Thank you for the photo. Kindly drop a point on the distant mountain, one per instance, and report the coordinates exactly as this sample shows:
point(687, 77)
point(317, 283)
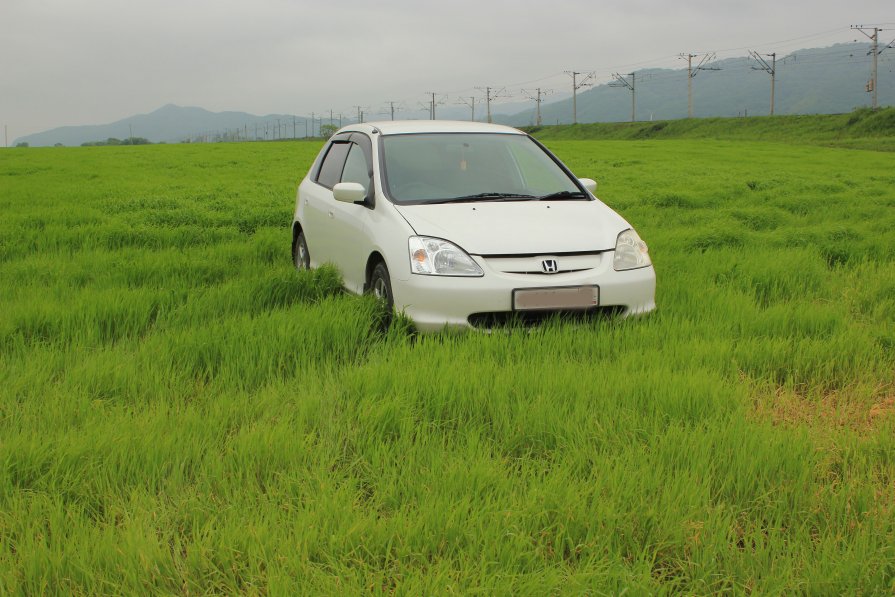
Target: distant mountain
point(815, 81)
point(172, 124)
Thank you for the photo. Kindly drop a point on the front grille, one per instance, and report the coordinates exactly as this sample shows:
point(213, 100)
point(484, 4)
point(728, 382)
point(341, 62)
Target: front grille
point(541, 273)
point(534, 264)
point(510, 319)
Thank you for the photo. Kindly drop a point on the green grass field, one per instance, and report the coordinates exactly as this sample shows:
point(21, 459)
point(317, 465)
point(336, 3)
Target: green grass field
point(183, 413)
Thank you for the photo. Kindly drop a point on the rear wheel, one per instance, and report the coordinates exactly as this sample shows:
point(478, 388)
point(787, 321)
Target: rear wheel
point(300, 256)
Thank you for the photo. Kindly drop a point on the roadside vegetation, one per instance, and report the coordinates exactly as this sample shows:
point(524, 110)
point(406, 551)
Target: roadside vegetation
point(182, 412)
point(114, 141)
point(860, 129)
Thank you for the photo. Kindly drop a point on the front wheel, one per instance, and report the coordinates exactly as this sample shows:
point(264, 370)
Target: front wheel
point(381, 285)
point(381, 288)
point(300, 256)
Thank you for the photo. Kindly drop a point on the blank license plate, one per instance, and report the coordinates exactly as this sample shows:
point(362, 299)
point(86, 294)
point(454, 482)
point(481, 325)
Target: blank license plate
point(570, 297)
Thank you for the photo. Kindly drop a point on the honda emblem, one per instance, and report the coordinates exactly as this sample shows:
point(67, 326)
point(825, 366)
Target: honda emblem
point(549, 266)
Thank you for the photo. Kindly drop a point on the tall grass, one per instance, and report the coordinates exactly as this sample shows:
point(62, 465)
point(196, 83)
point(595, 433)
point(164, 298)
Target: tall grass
point(182, 412)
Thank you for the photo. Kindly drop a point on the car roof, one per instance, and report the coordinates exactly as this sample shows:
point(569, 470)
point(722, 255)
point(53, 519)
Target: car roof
point(403, 127)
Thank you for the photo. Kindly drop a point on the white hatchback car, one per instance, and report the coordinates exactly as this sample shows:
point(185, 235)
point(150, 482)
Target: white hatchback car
point(466, 224)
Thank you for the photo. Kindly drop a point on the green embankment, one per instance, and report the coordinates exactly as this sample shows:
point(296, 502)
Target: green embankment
point(183, 413)
point(861, 129)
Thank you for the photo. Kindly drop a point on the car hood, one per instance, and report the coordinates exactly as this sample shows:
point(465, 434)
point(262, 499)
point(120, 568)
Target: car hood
point(519, 227)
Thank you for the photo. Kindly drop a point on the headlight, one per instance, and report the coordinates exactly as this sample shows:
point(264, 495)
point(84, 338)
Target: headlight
point(630, 252)
point(436, 257)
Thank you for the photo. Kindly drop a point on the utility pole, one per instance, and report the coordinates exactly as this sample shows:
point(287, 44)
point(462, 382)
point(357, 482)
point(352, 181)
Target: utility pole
point(491, 94)
point(690, 58)
point(771, 69)
point(874, 51)
point(391, 105)
point(536, 96)
point(692, 72)
point(621, 81)
point(432, 103)
point(5, 135)
point(488, 102)
point(873, 84)
point(471, 104)
point(576, 85)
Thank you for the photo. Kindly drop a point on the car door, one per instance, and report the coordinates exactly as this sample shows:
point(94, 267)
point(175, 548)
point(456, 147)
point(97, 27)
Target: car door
point(318, 216)
point(350, 235)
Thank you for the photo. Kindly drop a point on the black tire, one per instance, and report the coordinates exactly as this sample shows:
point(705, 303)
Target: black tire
point(300, 256)
point(381, 286)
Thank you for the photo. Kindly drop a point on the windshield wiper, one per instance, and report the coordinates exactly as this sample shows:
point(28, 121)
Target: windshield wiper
point(485, 197)
point(563, 195)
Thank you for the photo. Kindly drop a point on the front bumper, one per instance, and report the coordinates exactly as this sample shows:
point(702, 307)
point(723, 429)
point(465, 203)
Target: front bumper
point(435, 302)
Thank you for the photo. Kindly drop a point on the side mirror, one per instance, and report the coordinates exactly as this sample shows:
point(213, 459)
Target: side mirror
point(589, 184)
point(349, 192)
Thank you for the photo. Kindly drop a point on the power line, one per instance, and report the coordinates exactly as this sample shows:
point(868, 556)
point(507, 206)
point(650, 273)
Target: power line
point(780, 43)
point(841, 54)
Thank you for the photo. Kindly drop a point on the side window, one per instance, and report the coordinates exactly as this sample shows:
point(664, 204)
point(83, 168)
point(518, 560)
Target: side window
point(331, 168)
point(356, 168)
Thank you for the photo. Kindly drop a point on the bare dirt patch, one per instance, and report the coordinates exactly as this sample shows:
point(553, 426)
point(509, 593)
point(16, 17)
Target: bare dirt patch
point(860, 409)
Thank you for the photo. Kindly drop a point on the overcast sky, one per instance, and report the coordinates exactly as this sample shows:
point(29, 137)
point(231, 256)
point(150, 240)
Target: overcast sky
point(71, 62)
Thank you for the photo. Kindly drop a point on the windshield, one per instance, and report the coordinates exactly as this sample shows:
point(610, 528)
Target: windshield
point(461, 167)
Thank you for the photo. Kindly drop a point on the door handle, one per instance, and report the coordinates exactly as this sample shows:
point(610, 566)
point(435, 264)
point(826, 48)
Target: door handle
point(330, 214)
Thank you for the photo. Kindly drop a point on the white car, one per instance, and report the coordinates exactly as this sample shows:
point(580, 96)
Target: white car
point(466, 224)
